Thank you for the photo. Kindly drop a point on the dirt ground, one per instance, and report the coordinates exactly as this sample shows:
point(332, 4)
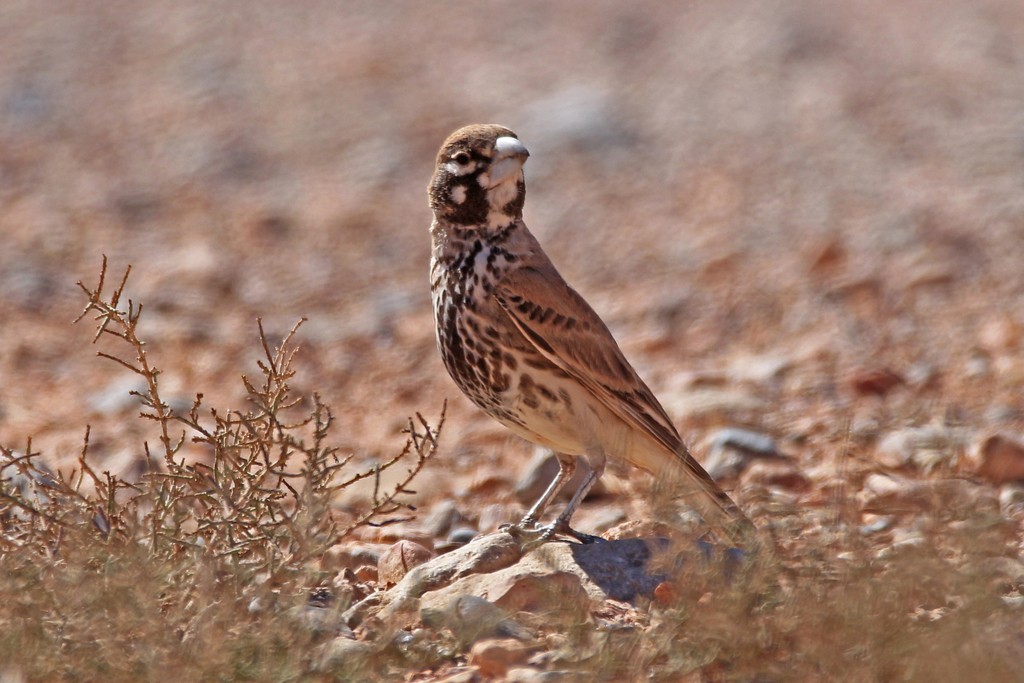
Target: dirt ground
point(778, 207)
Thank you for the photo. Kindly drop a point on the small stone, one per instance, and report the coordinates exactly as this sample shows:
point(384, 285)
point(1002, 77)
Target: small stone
point(344, 652)
point(598, 519)
point(889, 494)
point(535, 593)
point(471, 618)
point(396, 562)
point(1011, 499)
point(923, 447)
point(731, 449)
point(999, 458)
point(541, 472)
point(877, 524)
point(877, 381)
point(494, 657)
point(366, 574)
point(999, 335)
point(702, 401)
point(757, 369)
point(665, 594)
point(462, 535)
point(771, 473)
point(443, 517)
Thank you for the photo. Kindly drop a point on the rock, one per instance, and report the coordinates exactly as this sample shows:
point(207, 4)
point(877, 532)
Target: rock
point(999, 458)
point(875, 381)
point(443, 517)
point(889, 494)
point(876, 524)
point(704, 401)
point(344, 653)
point(599, 518)
point(471, 618)
point(731, 449)
point(318, 620)
point(483, 555)
point(367, 574)
point(541, 472)
point(556, 584)
point(536, 592)
point(776, 473)
point(922, 447)
point(494, 657)
point(462, 535)
point(999, 335)
point(399, 559)
point(757, 369)
point(1011, 499)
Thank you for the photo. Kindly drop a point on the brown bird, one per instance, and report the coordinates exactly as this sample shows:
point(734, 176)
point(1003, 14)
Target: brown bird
point(525, 347)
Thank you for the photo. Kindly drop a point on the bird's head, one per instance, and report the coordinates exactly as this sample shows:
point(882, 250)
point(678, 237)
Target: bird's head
point(478, 179)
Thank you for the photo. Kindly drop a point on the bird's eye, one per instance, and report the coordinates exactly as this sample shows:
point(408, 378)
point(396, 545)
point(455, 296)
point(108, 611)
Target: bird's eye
point(461, 158)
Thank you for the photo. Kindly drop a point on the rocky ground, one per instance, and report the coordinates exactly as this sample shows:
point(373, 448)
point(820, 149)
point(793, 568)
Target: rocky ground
point(804, 222)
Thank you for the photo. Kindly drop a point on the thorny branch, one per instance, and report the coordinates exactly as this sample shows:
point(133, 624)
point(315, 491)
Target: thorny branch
point(256, 492)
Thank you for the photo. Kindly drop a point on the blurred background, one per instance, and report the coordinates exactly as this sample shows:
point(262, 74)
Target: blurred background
point(766, 199)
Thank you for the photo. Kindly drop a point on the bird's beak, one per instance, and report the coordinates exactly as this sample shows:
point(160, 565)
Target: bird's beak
point(509, 157)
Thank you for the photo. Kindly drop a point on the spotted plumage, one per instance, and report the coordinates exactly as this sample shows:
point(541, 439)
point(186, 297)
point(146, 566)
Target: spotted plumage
point(528, 350)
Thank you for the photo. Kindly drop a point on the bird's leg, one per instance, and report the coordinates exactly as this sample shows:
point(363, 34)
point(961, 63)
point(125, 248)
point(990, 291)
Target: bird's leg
point(561, 525)
point(537, 536)
point(566, 467)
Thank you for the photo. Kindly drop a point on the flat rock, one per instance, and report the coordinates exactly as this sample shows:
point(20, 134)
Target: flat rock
point(559, 582)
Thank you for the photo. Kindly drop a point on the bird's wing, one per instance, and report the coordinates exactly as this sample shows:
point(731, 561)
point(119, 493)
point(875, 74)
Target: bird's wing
point(566, 330)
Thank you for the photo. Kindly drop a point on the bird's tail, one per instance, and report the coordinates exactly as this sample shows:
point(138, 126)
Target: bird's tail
point(688, 480)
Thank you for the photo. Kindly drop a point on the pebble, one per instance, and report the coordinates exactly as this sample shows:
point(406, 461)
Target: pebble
point(922, 447)
point(443, 518)
point(462, 535)
point(731, 449)
point(494, 657)
point(541, 472)
point(876, 381)
point(471, 618)
point(1011, 499)
point(344, 652)
point(397, 560)
point(999, 458)
point(781, 473)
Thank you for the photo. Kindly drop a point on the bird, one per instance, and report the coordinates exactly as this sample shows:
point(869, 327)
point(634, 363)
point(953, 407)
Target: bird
point(526, 348)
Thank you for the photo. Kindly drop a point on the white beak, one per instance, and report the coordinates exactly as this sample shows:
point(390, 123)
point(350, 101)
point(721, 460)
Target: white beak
point(509, 157)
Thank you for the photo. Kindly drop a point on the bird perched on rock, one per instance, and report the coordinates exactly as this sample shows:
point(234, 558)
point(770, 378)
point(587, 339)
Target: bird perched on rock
point(529, 351)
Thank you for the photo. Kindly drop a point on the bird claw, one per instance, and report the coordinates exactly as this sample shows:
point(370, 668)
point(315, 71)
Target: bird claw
point(531, 535)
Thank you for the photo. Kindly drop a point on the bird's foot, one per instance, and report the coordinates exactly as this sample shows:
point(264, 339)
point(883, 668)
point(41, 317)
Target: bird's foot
point(531, 535)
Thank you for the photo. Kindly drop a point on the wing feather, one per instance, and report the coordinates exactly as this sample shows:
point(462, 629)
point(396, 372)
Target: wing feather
point(565, 329)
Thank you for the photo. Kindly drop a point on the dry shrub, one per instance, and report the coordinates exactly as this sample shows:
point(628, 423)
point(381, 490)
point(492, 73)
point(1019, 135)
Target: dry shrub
point(200, 570)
